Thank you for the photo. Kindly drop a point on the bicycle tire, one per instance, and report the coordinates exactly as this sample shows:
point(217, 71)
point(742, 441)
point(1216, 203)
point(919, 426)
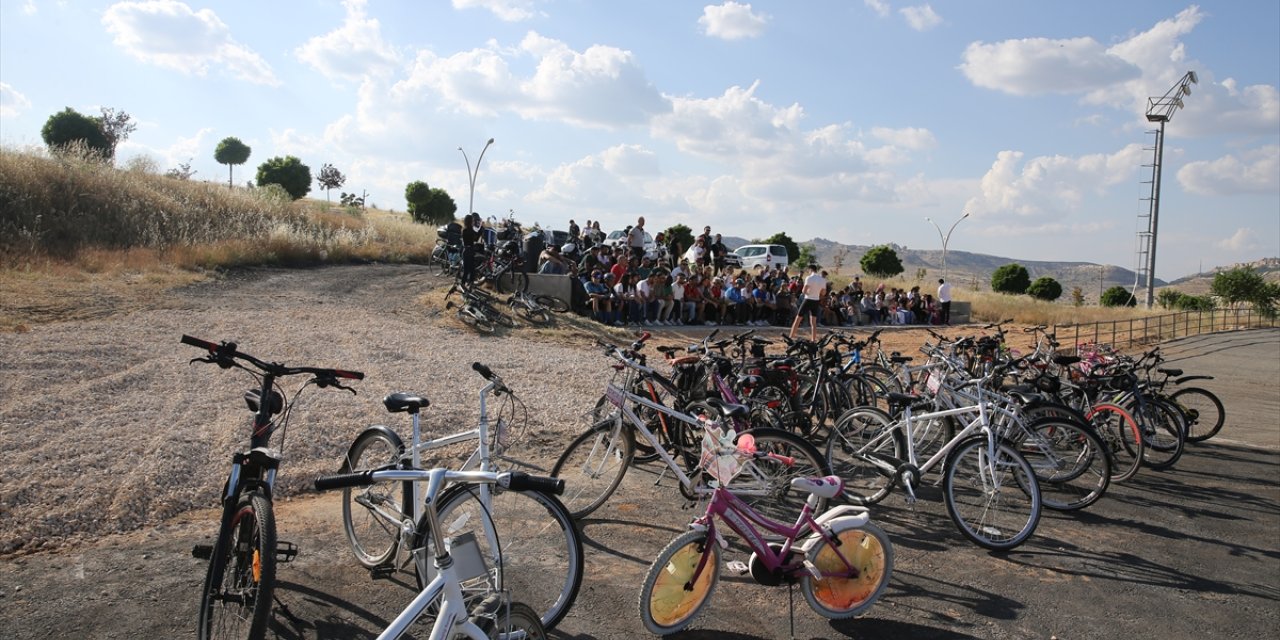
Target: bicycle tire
point(373, 539)
point(869, 474)
point(765, 484)
point(1121, 436)
point(519, 281)
point(1203, 410)
point(236, 599)
point(669, 600)
point(1164, 433)
point(1003, 516)
point(1070, 462)
point(475, 319)
point(536, 543)
point(869, 550)
point(516, 620)
point(499, 318)
point(867, 391)
point(592, 466)
point(533, 314)
point(553, 303)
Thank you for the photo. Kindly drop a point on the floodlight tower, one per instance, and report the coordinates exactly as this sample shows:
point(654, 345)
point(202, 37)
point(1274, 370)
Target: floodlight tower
point(1158, 110)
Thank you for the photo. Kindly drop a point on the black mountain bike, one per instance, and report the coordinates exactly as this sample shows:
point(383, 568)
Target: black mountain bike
point(235, 601)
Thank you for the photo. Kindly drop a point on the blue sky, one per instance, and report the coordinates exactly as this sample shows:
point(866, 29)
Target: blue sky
point(849, 120)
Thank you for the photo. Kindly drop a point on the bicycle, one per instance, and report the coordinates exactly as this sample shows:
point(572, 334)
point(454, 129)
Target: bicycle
point(505, 262)
point(446, 259)
point(990, 489)
point(527, 306)
point(843, 562)
point(458, 562)
point(235, 600)
point(595, 462)
point(541, 543)
point(477, 310)
point(1202, 410)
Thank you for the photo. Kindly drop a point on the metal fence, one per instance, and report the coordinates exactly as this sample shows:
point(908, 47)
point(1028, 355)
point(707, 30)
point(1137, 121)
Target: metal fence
point(1122, 334)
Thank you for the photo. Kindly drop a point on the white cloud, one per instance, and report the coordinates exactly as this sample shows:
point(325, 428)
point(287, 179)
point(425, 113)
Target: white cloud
point(12, 102)
point(921, 18)
point(1033, 66)
point(1243, 239)
point(353, 51)
point(506, 10)
point(1253, 172)
point(732, 21)
point(169, 34)
point(194, 149)
point(599, 87)
point(1050, 186)
point(879, 6)
point(908, 138)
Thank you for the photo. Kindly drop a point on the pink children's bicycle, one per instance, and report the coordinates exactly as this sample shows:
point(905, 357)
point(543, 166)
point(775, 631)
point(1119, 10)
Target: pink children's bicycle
point(842, 565)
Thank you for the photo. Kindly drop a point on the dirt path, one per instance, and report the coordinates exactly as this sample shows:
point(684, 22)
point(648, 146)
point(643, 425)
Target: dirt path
point(112, 449)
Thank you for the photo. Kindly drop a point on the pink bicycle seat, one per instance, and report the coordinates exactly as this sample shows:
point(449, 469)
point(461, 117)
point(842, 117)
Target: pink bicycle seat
point(828, 487)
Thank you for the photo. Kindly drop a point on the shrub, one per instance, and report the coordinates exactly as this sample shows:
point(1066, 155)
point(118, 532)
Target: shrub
point(1045, 288)
point(288, 172)
point(881, 261)
point(428, 205)
point(1118, 296)
point(1012, 278)
point(69, 126)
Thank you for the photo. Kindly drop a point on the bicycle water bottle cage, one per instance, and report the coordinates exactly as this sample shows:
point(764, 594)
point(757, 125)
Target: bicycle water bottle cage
point(253, 397)
point(405, 403)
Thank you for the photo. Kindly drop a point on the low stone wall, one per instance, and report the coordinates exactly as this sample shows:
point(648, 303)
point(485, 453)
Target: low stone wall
point(960, 312)
point(543, 284)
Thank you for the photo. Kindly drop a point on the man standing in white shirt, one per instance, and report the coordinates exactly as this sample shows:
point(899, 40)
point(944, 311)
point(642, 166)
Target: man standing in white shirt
point(944, 300)
point(815, 286)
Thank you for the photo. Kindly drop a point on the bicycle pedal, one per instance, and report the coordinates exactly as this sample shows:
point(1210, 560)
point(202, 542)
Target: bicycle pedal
point(202, 551)
point(286, 552)
point(813, 570)
point(737, 566)
point(382, 572)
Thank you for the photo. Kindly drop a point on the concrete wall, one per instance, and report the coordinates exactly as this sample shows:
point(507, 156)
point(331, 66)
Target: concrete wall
point(960, 312)
point(558, 286)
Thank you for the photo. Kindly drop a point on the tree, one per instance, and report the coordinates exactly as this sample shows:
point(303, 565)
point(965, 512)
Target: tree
point(1077, 297)
point(1045, 288)
point(231, 152)
point(837, 260)
point(793, 251)
point(1118, 296)
point(289, 173)
point(881, 261)
point(808, 255)
point(1243, 284)
point(329, 178)
point(352, 200)
point(1174, 299)
point(116, 127)
point(682, 235)
point(1011, 278)
point(69, 126)
point(183, 172)
point(428, 205)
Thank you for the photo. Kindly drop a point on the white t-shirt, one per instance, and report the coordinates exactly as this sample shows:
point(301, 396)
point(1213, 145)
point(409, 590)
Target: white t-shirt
point(814, 285)
point(645, 289)
point(636, 238)
point(944, 292)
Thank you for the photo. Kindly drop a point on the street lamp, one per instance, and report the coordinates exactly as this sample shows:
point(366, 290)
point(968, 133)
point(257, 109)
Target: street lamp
point(945, 239)
point(471, 175)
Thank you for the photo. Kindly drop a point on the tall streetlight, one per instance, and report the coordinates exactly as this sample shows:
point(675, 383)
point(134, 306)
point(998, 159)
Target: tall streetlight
point(945, 239)
point(471, 175)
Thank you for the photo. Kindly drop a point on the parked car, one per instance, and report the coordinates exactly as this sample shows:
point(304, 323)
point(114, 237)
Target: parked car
point(769, 255)
point(619, 238)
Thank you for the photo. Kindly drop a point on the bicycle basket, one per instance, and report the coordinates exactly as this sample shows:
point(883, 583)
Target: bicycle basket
point(721, 458)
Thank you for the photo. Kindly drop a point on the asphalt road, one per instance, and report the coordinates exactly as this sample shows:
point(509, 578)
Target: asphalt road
point(1188, 553)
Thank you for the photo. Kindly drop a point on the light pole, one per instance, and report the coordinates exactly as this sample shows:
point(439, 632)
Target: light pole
point(945, 239)
point(471, 175)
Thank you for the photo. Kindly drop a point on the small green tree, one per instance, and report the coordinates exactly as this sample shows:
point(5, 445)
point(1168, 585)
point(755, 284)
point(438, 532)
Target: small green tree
point(1118, 296)
point(69, 126)
point(289, 173)
point(808, 255)
point(428, 205)
point(1237, 285)
point(1012, 278)
point(231, 152)
point(682, 234)
point(116, 127)
point(1168, 298)
point(1077, 297)
point(881, 261)
point(1045, 288)
point(330, 178)
point(781, 237)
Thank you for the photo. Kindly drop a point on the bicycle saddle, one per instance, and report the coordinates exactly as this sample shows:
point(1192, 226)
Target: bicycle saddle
point(405, 402)
point(729, 410)
point(1173, 373)
point(827, 487)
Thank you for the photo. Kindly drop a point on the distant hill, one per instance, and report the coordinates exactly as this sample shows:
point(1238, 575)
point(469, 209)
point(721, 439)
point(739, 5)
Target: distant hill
point(1200, 284)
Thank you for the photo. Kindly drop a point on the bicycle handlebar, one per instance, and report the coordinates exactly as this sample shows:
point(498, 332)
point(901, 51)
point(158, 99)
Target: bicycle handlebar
point(225, 354)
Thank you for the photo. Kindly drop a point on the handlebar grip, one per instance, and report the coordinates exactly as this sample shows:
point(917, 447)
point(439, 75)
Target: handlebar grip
point(350, 375)
point(197, 342)
point(342, 481)
point(482, 370)
point(521, 481)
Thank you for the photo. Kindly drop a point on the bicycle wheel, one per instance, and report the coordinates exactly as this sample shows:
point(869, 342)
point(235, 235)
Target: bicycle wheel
point(868, 550)
point(516, 620)
point(532, 540)
point(511, 281)
point(1069, 461)
point(235, 601)
point(498, 317)
point(371, 515)
point(994, 502)
point(869, 470)
point(538, 315)
point(670, 598)
point(765, 483)
point(866, 391)
point(1203, 411)
point(440, 261)
point(475, 319)
point(1163, 432)
point(553, 303)
point(593, 465)
point(1122, 438)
